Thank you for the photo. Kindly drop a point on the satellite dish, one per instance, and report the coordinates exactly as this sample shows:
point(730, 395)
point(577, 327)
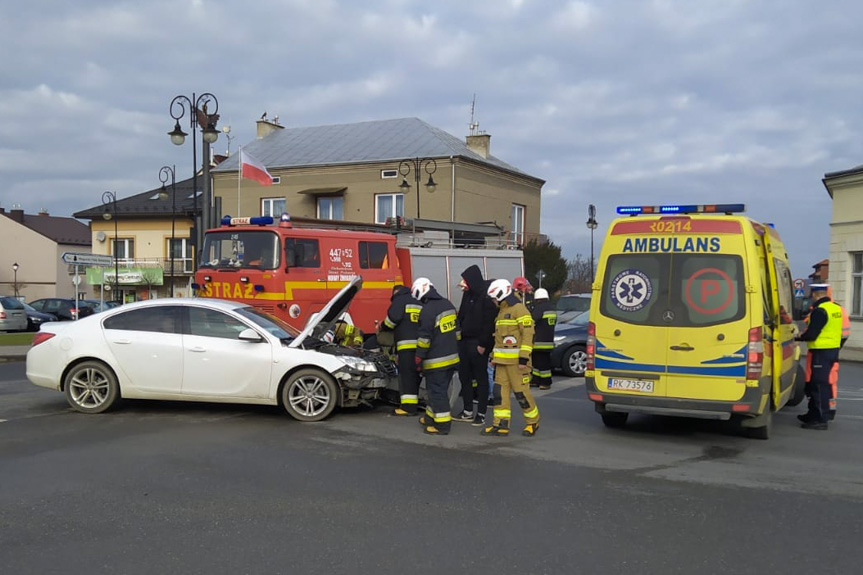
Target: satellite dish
point(100, 236)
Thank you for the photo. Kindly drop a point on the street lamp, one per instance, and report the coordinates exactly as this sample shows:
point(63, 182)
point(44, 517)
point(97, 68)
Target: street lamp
point(110, 199)
point(15, 284)
point(164, 172)
point(591, 223)
point(427, 164)
point(199, 116)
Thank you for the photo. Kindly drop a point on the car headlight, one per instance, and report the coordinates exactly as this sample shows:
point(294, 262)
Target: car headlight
point(357, 363)
point(559, 338)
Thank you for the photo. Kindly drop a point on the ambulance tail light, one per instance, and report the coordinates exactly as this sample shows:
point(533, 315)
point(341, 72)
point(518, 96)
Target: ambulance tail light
point(591, 345)
point(754, 354)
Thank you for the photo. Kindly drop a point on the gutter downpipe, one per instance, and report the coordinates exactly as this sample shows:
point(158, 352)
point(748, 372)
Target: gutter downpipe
point(452, 204)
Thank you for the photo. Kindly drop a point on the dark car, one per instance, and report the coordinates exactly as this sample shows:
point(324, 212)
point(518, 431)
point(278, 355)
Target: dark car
point(36, 318)
point(63, 308)
point(569, 306)
point(570, 345)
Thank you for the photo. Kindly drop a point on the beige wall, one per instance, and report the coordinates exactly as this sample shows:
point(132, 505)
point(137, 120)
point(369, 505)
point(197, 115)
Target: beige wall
point(482, 192)
point(150, 236)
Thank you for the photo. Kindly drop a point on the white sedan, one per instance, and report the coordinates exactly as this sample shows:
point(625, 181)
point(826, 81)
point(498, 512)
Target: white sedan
point(207, 350)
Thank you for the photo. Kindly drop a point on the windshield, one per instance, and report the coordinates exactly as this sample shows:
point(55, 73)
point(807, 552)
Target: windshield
point(573, 303)
point(269, 323)
point(11, 303)
point(258, 249)
point(580, 319)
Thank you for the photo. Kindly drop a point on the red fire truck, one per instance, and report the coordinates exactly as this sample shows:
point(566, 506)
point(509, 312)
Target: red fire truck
point(293, 272)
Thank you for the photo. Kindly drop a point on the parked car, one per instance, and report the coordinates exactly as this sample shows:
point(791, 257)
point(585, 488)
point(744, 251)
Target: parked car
point(208, 350)
point(98, 306)
point(36, 318)
point(569, 306)
point(63, 308)
point(12, 314)
point(570, 345)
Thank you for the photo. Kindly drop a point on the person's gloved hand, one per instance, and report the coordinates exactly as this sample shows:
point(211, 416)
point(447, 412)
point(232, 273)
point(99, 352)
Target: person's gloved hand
point(419, 363)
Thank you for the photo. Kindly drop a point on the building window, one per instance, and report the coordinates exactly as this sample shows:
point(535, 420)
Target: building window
point(856, 284)
point(516, 224)
point(389, 206)
point(124, 249)
point(182, 253)
point(274, 207)
point(330, 208)
point(389, 174)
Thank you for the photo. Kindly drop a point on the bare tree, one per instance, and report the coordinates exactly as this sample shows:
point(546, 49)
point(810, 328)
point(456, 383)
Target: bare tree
point(579, 275)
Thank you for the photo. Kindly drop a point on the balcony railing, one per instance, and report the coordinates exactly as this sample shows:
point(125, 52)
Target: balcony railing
point(182, 266)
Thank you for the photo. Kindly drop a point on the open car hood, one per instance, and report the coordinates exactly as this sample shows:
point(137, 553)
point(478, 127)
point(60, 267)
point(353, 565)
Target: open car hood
point(322, 321)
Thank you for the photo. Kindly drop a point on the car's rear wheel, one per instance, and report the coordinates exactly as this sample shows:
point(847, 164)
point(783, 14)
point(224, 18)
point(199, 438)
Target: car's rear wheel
point(574, 361)
point(310, 395)
point(614, 418)
point(91, 387)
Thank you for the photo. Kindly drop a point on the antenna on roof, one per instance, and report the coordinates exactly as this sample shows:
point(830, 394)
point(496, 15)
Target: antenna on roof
point(473, 123)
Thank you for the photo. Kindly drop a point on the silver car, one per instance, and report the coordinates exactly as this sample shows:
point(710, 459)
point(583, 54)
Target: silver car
point(13, 316)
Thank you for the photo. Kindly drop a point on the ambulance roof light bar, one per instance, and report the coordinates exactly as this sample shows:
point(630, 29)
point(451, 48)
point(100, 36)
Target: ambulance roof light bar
point(682, 209)
point(228, 221)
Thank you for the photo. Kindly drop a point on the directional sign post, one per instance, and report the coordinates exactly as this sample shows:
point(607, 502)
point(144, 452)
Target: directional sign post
point(87, 259)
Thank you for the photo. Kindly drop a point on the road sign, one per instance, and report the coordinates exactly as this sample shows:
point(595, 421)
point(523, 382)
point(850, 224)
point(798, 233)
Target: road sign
point(798, 293)
point(799, 283)
point(87, 259)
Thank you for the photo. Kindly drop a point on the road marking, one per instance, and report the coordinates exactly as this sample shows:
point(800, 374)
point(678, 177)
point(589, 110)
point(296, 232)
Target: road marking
point(3, 420)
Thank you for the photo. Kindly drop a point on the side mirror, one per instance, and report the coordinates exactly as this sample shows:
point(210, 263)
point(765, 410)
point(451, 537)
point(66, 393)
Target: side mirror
point(250, 336)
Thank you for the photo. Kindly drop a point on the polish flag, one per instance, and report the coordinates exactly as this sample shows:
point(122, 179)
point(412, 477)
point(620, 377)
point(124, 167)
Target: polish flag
point(254, 170)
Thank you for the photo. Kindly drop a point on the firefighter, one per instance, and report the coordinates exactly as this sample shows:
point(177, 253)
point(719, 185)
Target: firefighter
point(476, 315)
point(436, 355)
point(544, 318)
point(347, 335)
point(824, 338)
point(523, 291)
point(513, 344)
point(402, 319)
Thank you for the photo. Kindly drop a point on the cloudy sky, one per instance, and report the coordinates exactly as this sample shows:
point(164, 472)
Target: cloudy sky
point(611, 102)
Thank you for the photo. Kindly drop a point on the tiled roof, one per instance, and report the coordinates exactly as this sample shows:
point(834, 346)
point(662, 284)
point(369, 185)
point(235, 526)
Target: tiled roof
point(63, 230)
point(148, 205)
point(363, 142)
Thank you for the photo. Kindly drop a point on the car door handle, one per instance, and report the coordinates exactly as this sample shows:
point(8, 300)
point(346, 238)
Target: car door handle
point(682, 348)
point(198, 349)
point(122, 341)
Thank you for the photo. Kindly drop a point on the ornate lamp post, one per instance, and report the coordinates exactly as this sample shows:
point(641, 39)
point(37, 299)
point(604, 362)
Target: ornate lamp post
point(15, 284)
point(110, 199)
point(201, 116)
point(417, 164)
point(591, 223)
point(164, 172)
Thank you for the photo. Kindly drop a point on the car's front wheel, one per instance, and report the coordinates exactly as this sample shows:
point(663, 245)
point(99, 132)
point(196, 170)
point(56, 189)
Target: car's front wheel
point(575, 361)
point(310, 395)
point(91, 387)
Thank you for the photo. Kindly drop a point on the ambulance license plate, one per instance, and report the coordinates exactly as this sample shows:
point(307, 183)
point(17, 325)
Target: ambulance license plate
point(631, 385)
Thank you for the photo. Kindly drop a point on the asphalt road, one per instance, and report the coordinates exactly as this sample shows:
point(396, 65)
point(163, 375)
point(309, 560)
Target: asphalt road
point(158, 487)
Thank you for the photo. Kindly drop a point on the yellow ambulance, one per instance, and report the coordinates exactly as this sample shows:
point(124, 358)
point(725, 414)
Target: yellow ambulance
point(691, 316)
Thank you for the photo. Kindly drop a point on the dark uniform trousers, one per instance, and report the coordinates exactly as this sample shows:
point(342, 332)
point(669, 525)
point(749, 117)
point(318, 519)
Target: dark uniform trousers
point(438, 408)
point(509, 377)
point(541, 360)
point(818, 387)
point(473, 375)
point(409, 380)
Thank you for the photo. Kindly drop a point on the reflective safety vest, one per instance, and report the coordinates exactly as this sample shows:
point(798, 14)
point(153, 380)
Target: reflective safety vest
point(830, 336)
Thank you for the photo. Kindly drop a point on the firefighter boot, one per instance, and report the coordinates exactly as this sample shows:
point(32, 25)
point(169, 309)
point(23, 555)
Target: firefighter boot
point(404, 411)
point(501, 430)
point(530, 429)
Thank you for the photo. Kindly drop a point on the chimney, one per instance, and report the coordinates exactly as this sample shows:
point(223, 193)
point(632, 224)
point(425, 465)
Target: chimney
point(17, 215)
point(43, 212)
point(480, 144)
point(267, 127)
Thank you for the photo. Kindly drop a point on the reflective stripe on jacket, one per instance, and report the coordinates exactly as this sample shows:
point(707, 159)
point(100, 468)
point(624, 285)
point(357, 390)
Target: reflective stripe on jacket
point(403, 317)
point(437, 345)
point(544, 318)
point(513, 333)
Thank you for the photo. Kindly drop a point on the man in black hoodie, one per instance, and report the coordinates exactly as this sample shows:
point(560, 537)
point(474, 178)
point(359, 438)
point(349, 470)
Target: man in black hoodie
point(403, 319)
point(476, 316)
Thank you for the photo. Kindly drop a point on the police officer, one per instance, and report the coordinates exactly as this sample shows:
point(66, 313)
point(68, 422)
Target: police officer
point(436, 354)
point(544, 318)
point(523, 291)
point(824, 338)
point(513, 344)
point(403, 317)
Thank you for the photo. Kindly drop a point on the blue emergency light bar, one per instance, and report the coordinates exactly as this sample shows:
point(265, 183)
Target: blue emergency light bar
point(682, 209)
point(228, 221)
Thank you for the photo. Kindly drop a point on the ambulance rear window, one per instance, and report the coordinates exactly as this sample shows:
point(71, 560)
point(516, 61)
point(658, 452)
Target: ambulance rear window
point(681, 290)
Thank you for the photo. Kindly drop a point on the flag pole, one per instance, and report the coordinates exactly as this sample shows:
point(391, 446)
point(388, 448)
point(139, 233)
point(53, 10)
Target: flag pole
point(239, 179)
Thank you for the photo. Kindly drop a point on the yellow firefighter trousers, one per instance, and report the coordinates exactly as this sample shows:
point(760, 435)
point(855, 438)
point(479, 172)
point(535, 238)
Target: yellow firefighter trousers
point(508, 378)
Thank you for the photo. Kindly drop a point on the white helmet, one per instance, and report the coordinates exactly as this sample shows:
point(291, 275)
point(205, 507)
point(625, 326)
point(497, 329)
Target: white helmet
point(421, 287)
point(499, 290)
point(541, 293)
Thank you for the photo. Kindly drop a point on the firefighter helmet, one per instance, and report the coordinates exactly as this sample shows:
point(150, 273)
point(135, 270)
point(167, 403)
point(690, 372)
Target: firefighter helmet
point(499, 290)
point(421, 287)
point(521, 284)
point(541, 293)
